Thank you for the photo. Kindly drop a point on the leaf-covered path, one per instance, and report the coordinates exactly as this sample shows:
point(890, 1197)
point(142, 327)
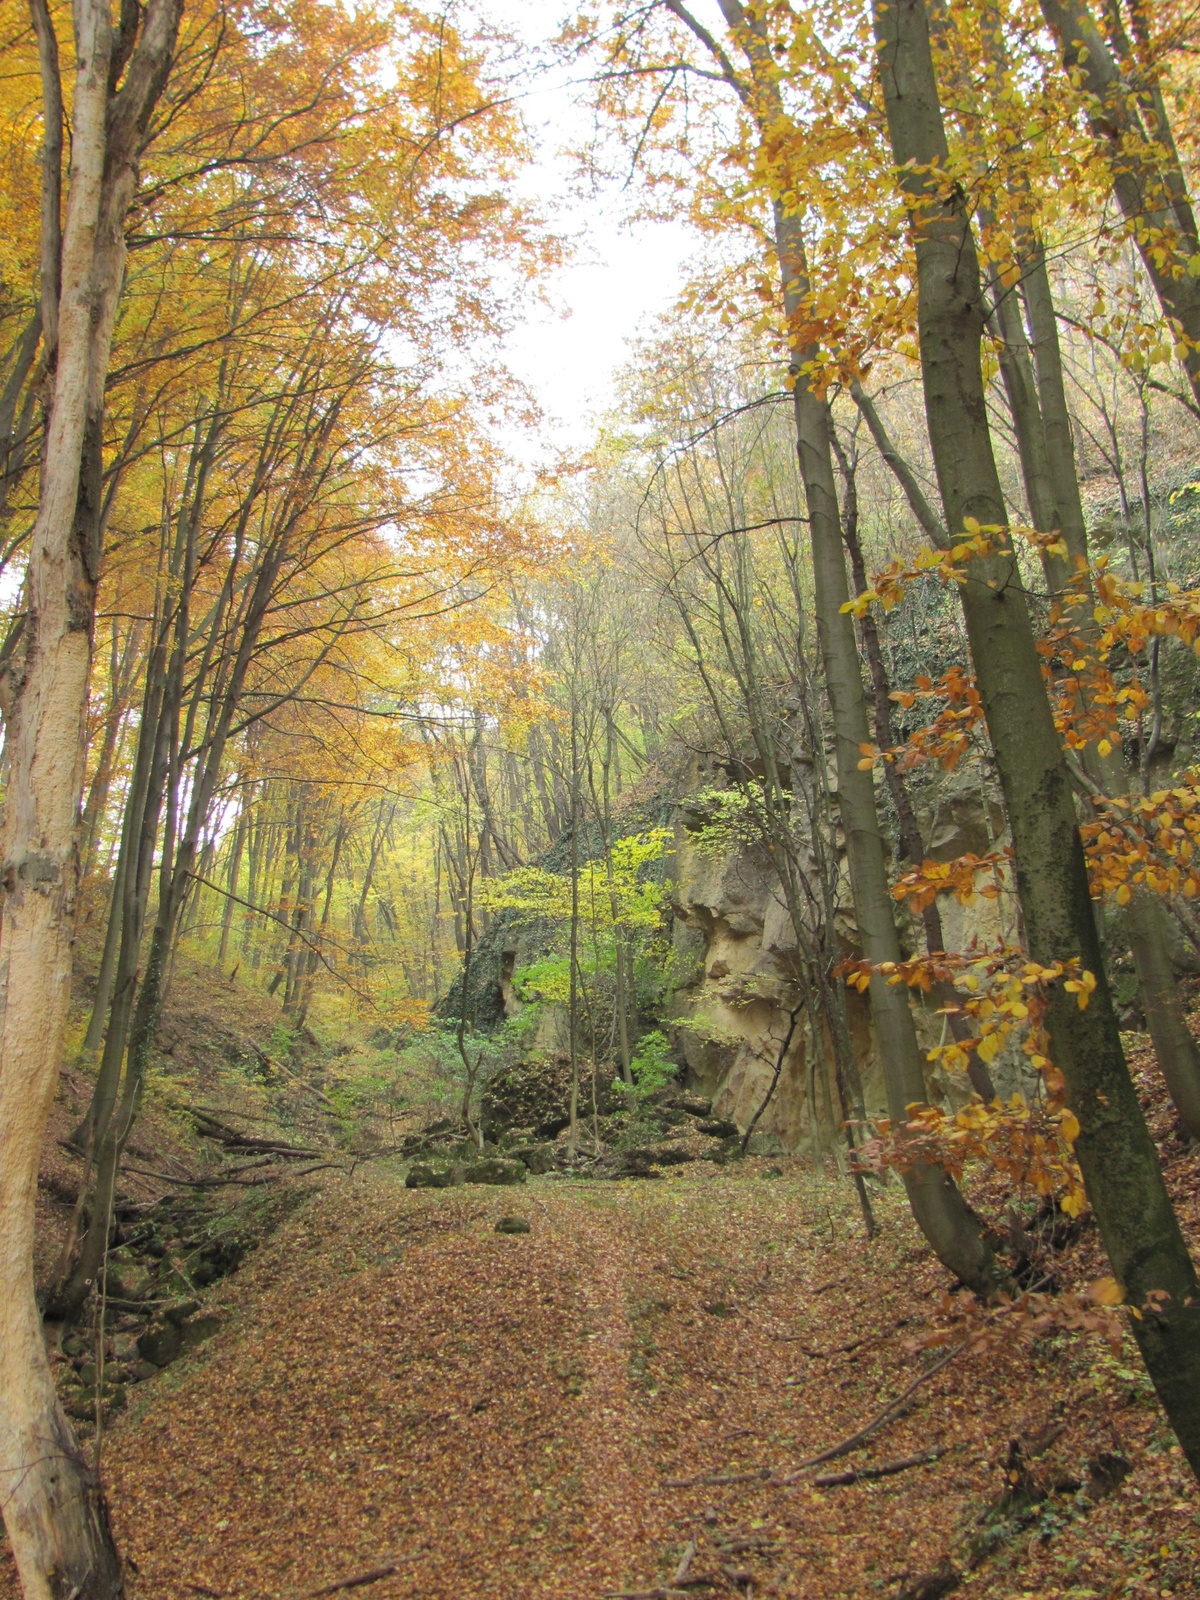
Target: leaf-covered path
point(500, 1416)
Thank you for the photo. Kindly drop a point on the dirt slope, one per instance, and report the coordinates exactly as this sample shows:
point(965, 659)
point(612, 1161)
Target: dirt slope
point(499, 1415)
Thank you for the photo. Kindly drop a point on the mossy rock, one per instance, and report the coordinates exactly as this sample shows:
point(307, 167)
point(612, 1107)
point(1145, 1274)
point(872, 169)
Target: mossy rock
point(535, 1094)
point(197, 1329)
point(495, 1171)
point(178, 1312)
point(161, 1344)
point(513, 1225)
point(82, 1403)
point(718, 1128)
point(538, 1158)
point(423, 1176)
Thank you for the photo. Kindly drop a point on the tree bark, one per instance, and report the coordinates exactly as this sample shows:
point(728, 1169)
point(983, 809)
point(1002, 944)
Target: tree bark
point(1114, 1149)
point(910, 833)
point(937, 1204)
point(1147, 176)
point(53, 1510)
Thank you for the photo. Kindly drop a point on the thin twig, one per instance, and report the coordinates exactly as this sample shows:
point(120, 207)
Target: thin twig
point(885, 1469)
point(718, 1478)
point(685, 1561)
point(890, 1413)
point(361, 1579)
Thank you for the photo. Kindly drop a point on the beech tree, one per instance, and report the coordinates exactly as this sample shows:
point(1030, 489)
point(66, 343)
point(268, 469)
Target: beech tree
point(1116, 1155)
point(53, 1509)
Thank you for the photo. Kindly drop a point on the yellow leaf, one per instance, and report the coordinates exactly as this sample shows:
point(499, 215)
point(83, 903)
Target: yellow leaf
point(988, 1047)
point(1124, 895)
point(1104, 747)
point(1070, 1126)
point(1106, 1292)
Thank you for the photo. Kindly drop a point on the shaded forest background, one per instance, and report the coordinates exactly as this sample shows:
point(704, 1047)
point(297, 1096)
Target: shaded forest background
point(809, 770)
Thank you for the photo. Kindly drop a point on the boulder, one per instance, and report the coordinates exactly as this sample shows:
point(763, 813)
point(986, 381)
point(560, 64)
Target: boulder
point(178, 1312)
point(423, 1176)
point(644, 1161)
point(513, 1225)
point(197, 1329)
point(495, 1170)
point(718, 1128)
point(538, 1158)
point(161, 1344)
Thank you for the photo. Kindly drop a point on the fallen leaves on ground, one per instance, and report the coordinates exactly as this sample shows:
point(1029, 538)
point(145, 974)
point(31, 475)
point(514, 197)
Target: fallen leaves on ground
point(492, 1416)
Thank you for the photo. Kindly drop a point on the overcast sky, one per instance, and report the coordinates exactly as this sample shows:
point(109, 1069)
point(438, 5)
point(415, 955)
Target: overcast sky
point(622, 273)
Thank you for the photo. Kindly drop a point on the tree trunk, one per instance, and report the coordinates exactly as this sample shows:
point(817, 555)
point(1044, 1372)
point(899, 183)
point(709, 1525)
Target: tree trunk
point(910, 833)
point(53, 1510)
point(1147, 176)
point(938, 1207)
point(1114, 1149)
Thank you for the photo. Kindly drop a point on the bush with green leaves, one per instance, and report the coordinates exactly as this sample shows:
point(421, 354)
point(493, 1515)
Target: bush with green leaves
point(651, 1067)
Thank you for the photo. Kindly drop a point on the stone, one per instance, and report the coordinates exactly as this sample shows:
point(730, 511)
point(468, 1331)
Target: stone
point(495, 1170)
point(773, 1172)
point(134, 1284)
point(644, 1160)
point(718, 1128)
point(179, 1310)
point(82, 1404)
point(538, 1158)
point(513, 1225)
point(142, 1370)
point(197, 1329)
point(422, 1175)
point(74, 1345)
point(161, 1344)
point(694, 1105)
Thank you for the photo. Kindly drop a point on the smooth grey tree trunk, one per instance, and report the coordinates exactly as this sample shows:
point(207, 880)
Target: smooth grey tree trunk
point(938, 1206)
point(1114, 1149)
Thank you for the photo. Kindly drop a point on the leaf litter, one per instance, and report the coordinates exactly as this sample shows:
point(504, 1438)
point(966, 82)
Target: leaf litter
point(405, 1403)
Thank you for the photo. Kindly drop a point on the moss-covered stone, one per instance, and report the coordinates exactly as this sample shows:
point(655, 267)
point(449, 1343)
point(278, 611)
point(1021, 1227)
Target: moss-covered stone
point(422, 1175)
point(161, 1344)
point(197, 1329)
point(495, 1170)
point(513, 1225)
point(538, 1158)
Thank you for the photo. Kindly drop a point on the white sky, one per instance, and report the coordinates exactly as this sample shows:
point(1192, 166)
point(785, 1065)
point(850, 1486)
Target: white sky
point(622, 274)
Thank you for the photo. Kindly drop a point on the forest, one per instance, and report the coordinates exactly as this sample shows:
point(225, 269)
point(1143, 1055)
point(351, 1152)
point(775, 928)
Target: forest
point(605, 1022)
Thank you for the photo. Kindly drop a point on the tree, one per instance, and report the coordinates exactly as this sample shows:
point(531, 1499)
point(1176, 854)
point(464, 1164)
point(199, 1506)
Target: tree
point(1118, 1160)
point(53, 1509)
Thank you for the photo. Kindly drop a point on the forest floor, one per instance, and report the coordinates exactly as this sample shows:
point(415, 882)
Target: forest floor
point(403, 1396)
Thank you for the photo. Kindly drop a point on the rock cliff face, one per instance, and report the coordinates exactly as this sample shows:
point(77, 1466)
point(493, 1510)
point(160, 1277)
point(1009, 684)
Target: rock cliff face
point(735, 969)
point(737, 960)
point(736, 955)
